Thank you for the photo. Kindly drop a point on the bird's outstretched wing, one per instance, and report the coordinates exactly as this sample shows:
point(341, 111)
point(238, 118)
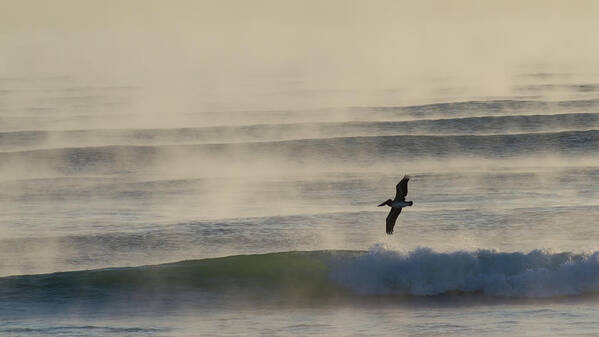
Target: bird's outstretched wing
point(401, 189)
point(391, 218)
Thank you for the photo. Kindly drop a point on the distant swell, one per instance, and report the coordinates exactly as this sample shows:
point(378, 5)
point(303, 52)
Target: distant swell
point(321, 274)
point(456, 125)
point(355, 150)
point(489, 107)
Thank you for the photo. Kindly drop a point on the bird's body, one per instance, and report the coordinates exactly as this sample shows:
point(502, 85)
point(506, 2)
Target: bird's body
point(401, 190)
point(401, 204)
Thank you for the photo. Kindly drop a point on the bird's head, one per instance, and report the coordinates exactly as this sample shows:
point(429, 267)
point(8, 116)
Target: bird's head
point(387, 202)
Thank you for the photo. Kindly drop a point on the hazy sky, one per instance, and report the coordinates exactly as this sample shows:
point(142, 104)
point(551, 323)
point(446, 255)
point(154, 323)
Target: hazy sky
point(322, 44)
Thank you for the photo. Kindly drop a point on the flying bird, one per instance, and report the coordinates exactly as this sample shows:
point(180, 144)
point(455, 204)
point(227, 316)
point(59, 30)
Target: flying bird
point(401, 190)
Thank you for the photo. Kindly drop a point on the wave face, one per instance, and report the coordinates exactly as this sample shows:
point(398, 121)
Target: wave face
point(422, 272)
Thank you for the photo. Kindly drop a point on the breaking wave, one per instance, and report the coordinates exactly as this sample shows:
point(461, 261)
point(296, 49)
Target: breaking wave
point(425, 272)
point(422, 272)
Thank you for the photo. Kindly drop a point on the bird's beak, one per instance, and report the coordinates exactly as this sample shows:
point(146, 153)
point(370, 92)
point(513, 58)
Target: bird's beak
point(383, 204)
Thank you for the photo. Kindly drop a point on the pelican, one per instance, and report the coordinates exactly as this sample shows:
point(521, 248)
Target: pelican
point(401, 190)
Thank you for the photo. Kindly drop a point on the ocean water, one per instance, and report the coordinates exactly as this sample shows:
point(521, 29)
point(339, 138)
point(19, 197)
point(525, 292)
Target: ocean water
point(117, 220)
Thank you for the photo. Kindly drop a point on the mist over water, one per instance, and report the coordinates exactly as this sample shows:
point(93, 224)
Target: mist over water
point(145, 146)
